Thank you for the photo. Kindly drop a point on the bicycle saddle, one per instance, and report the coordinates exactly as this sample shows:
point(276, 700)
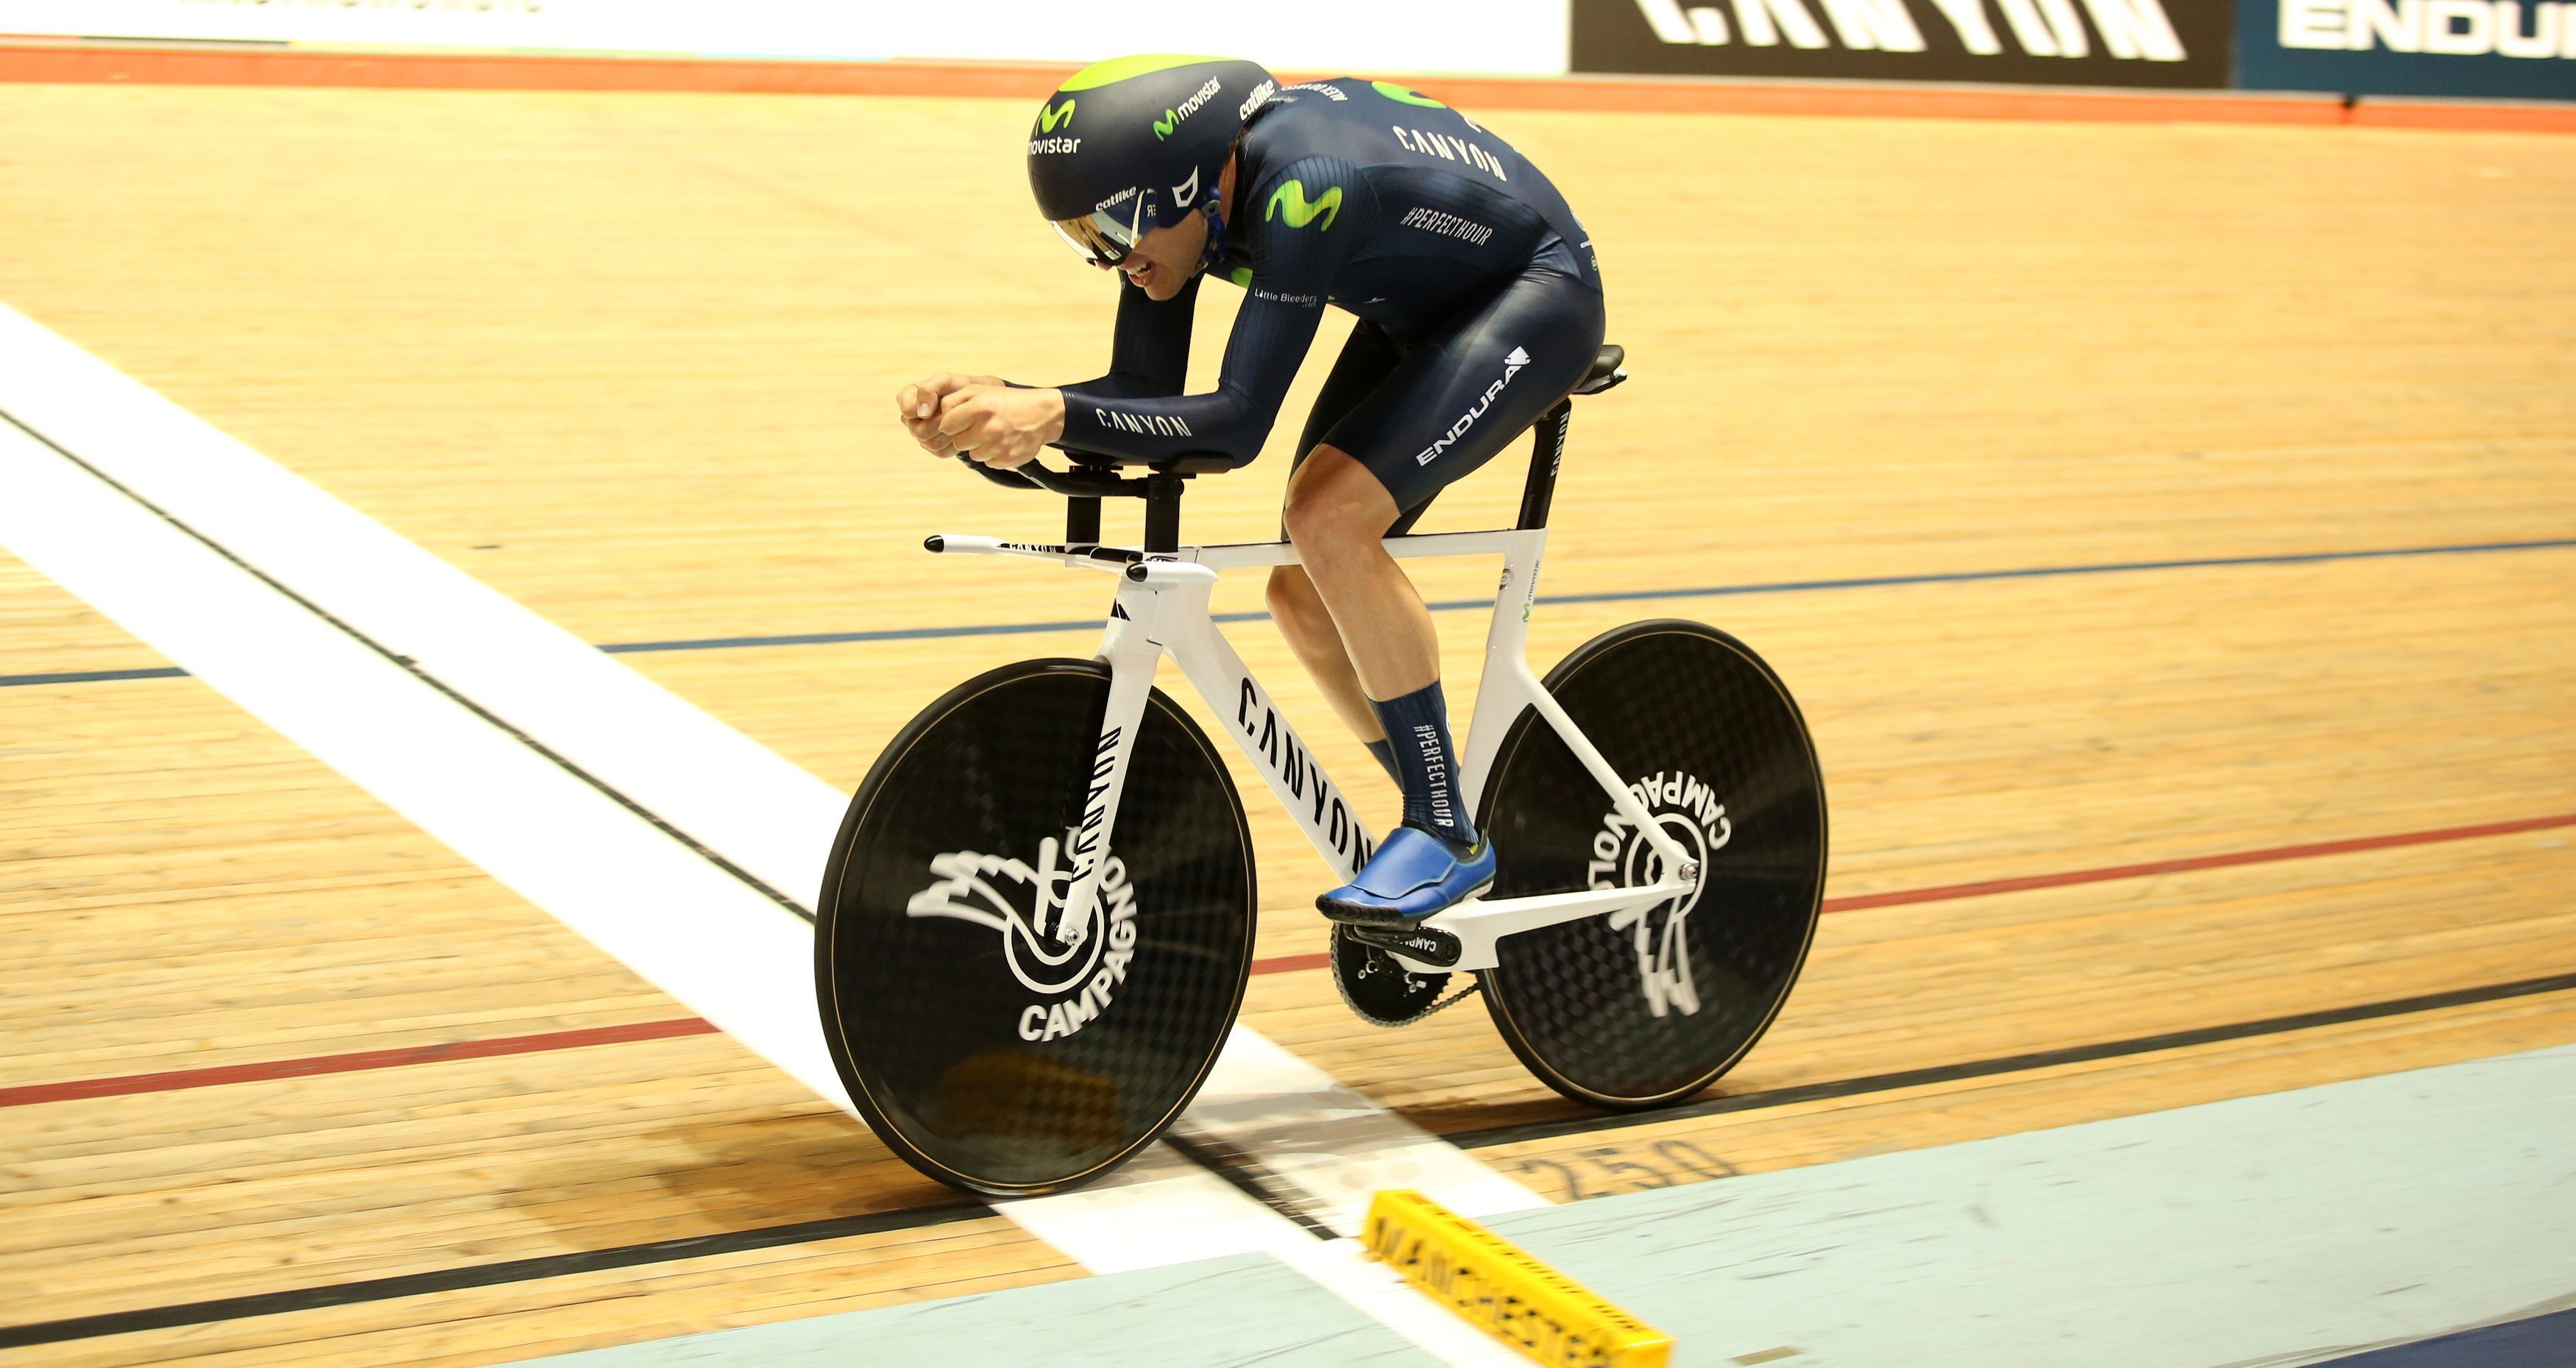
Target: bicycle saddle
point(1608, 369)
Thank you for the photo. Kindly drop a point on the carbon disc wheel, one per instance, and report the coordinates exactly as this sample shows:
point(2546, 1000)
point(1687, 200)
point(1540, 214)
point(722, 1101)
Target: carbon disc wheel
point(990, 1042)
point(1630, 1010)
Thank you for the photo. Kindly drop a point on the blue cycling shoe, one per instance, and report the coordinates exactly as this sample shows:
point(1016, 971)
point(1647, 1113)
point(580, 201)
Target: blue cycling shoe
point(1413, 875)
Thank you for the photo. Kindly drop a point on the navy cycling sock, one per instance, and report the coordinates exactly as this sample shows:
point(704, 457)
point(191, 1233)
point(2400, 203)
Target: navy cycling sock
point(1384, 750)
point(1417, 729)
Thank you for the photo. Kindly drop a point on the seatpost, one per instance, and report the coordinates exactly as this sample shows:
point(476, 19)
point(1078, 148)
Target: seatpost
point(1545, 453)
point(1162, 511)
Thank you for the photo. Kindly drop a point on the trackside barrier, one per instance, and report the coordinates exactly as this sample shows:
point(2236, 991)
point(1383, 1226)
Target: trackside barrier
point(1504, 1289)
point(75, 63)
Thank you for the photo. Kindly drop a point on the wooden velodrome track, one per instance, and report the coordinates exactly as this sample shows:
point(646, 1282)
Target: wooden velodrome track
point(2253, 811)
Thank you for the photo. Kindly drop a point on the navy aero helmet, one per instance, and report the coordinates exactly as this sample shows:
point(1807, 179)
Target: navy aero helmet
point(1136, 143)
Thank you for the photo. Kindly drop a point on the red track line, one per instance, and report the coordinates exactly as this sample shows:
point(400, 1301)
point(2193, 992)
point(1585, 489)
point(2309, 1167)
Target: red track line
point(361, 1061)
point(687, 1026)
point(1946, 892)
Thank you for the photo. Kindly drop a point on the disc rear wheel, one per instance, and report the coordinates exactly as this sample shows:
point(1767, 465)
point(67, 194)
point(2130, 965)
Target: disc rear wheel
point(1642, 1008)
point(989, 1040)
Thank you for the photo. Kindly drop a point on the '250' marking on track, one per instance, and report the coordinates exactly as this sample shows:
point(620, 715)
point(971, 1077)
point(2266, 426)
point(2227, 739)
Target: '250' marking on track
point(1622, 1168)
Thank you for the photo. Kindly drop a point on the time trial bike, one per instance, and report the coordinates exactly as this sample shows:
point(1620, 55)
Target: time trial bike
point(1037, 920)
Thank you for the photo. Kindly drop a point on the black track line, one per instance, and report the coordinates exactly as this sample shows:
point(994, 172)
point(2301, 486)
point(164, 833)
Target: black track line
point(1249, 1176)
point(1242, 1175)
point(2019, 1063)
point(1231, 1168)
point(482, 1275)
point(413, 668)
point(1238, 1170)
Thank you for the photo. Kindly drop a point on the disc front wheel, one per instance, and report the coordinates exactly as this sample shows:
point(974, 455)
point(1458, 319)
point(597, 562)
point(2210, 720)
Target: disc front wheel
point(992, 1041)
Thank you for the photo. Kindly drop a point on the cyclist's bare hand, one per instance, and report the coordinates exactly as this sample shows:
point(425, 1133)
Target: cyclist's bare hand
point(918, 407)
point(1001, 427)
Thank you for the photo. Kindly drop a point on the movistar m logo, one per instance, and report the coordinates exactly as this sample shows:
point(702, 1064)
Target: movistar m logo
point(1401, 95)
point(1163, 126)
point(1290, 199)
point(1049, 120)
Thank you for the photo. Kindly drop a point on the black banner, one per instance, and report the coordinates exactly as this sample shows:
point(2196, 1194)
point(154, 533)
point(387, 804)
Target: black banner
point(2487, 49)
point(2182, 43)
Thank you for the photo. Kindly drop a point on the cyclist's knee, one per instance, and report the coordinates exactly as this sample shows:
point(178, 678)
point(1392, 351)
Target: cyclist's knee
point(1334, 500)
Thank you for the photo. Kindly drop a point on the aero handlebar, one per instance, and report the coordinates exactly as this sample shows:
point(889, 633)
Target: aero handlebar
point(1086, 482)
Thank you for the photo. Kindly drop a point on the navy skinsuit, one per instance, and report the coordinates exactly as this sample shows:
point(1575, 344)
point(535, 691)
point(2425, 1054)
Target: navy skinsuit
point(1478, 296)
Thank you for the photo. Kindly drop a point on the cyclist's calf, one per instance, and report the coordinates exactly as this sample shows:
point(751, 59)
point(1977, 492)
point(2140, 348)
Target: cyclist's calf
point(1336, 511)
point(1308, 626)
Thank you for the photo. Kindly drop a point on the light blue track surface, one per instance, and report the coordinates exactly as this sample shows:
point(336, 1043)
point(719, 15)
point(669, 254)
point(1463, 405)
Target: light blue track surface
point(1246, 1309)
point(2286, 1229)
point(2279, 1229)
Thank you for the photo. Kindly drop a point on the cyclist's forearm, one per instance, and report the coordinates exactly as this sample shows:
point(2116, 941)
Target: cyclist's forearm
point(1227, 420)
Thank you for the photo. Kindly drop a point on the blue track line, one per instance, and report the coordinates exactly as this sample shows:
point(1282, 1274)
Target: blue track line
point(93, 676)
point(891, 634)
point(1638, 595)
point(1461, 605)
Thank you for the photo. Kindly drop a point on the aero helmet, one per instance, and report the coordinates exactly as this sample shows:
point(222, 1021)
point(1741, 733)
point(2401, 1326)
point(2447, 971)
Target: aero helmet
point(1136, 143)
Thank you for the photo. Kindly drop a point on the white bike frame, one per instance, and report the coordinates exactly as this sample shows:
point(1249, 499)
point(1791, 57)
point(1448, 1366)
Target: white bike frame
point(1162, 606)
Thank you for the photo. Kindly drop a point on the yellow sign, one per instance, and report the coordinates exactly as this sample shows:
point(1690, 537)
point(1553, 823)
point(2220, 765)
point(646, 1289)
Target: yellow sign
point(1494, 1283)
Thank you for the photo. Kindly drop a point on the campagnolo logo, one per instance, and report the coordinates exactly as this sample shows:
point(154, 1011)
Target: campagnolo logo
point(1297, 773)
point(1689, 811)
point(1073, 965)
point(2131, 29)
point(1511, 366)
point(1087, 847)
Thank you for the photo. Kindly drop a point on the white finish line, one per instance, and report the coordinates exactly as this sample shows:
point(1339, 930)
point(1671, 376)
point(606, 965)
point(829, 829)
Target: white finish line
point(412, 686)
point(696, 932)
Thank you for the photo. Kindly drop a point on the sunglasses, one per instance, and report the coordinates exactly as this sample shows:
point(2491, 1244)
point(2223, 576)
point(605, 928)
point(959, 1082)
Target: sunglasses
point(1107, 234)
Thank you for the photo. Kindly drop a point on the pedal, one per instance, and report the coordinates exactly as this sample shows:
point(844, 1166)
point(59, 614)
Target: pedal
point(1422, 944)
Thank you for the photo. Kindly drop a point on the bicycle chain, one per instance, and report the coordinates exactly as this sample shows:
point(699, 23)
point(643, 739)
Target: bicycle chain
point(1474, 986)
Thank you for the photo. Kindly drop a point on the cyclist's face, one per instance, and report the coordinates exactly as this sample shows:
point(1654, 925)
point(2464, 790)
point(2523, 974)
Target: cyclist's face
point(1164, 259)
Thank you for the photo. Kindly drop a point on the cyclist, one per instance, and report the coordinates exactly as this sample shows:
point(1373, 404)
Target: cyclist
point(1479, 305)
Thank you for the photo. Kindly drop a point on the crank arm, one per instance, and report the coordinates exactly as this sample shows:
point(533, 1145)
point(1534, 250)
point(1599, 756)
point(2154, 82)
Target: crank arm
point(1478, 925)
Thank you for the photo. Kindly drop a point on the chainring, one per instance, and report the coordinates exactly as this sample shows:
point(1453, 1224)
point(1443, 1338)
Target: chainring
point(1380, 991)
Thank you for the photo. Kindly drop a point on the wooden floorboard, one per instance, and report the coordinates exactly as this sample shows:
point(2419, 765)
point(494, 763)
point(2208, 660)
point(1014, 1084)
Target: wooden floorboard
point(626, 357)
